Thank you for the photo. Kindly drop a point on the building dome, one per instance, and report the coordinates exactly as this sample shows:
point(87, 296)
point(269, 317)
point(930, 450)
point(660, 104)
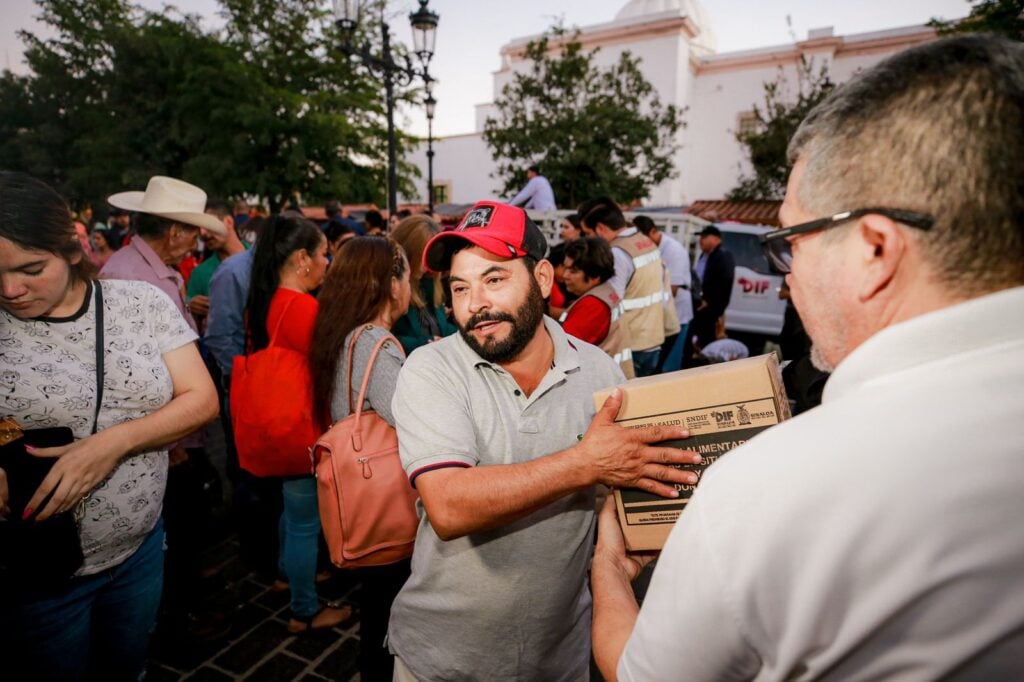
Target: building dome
point(635, 9)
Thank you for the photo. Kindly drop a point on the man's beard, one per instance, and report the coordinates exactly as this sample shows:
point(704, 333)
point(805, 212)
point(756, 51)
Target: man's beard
point(524, 325)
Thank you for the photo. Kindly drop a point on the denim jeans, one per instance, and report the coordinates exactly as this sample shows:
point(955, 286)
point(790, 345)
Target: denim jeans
point(645, 362)
point(671, 358)
point(96, 628)
point(300, 530)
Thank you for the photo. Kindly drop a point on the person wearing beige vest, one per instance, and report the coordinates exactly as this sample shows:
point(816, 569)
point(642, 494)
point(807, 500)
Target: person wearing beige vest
point(640, 280)
point(596, 316)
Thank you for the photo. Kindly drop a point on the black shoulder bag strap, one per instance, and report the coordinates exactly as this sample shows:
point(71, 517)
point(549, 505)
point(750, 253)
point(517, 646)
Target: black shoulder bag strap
point(99, 354)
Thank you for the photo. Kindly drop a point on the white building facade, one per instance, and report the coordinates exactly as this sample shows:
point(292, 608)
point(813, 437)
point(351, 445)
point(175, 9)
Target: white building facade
point(676, 45)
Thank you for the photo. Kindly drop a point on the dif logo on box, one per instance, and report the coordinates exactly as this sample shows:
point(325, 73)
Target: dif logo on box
point(723, 419)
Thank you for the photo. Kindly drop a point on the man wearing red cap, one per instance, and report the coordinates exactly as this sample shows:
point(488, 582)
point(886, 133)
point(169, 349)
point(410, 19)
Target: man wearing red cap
point(497, 431)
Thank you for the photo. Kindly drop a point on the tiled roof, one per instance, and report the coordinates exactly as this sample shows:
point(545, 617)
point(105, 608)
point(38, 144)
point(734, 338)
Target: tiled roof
point(750, 212)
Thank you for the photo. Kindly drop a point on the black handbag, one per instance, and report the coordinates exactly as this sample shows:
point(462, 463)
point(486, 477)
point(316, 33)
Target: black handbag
point(42, 555)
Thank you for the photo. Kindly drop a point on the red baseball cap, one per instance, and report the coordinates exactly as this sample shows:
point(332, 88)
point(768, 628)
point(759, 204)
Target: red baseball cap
point(500, 229)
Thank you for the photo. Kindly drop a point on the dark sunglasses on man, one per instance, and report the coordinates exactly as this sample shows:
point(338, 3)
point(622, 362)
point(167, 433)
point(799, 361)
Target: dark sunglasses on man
point(779, 251)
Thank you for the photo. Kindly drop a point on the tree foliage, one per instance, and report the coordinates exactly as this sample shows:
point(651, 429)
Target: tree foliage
point(592, 131)
point(266, 106)
point(776, 119)
point(1005, 17)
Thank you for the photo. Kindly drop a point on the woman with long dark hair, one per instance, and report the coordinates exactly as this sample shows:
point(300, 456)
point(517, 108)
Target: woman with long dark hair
point(290, 262)
point(117, 365)
point(425, 321)
point(367, 290)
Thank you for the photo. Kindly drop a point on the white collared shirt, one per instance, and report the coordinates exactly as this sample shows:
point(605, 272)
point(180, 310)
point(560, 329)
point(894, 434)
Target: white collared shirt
point(874, 537)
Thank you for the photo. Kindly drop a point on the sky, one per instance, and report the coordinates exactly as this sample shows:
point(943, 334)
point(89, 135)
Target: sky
point(471, 33)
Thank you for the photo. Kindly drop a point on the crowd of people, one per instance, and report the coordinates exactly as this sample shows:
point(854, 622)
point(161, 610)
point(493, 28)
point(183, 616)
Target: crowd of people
point(798, 556)
point(294, 284)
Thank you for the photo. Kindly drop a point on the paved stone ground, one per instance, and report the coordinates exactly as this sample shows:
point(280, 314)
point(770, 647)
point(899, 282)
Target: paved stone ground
point(253, 642)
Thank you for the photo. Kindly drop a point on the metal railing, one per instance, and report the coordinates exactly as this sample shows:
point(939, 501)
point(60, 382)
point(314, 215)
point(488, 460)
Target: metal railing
point(682, 226)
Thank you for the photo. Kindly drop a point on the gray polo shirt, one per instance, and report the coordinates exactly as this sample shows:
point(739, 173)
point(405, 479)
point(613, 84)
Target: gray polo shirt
point(511, 603)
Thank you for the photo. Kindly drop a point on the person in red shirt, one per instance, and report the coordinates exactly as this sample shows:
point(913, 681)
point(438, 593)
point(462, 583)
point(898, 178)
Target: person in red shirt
point(560, 298)
point(594, 316)
point(290, 261)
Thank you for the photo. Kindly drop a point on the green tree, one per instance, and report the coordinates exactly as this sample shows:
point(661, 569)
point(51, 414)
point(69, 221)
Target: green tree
point(59, 103)
point(313, 123)
point(15, 119)
point(265, 107)
point(1005, 17)
point(775, 121)
point(593, 131)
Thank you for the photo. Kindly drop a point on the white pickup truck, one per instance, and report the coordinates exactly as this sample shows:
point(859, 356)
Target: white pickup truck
point(755, 307)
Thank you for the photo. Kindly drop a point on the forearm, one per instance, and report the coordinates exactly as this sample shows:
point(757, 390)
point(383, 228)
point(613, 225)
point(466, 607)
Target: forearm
point(84, 463)
point(615, 613)
point(524, 195)
point(181, 416)
point(471, 500)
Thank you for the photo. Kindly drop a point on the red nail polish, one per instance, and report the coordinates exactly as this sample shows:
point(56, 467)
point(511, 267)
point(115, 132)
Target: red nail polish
point(30, 448)
point(27, 513)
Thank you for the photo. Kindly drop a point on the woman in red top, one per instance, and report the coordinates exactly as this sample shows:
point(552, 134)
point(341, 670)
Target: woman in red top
point(290, 261)
point(588, 263)
point(596, 315)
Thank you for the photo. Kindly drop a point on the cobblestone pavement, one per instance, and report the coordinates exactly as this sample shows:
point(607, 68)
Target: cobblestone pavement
point(247, 638)
point(251, 641)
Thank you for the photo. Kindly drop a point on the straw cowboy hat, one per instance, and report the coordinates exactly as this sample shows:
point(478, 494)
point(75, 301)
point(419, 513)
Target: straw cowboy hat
point(173, 199)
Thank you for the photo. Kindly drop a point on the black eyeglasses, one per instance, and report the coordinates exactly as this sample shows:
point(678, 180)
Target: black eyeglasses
point(779, 251)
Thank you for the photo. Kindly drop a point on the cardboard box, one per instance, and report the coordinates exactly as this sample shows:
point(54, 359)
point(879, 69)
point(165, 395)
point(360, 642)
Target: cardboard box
point(722, 405)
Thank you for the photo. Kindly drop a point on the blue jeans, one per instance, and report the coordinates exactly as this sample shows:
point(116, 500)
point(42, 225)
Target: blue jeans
point(97, 628)
point(300, 530)
point(645, 362)
point(671, 358)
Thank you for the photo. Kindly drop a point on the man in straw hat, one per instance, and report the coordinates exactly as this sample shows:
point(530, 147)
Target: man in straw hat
point(170, 215)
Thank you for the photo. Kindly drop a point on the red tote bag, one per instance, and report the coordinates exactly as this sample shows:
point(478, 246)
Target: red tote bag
point(272, 410)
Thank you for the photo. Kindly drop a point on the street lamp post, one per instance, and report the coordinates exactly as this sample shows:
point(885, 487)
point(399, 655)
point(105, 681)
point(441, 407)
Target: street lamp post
point(389, 69)
point(429, 103)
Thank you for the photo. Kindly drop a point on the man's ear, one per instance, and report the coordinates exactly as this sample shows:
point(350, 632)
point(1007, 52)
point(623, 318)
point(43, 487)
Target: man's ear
point(229, 223)
point(881, 247)
point(544, 272)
